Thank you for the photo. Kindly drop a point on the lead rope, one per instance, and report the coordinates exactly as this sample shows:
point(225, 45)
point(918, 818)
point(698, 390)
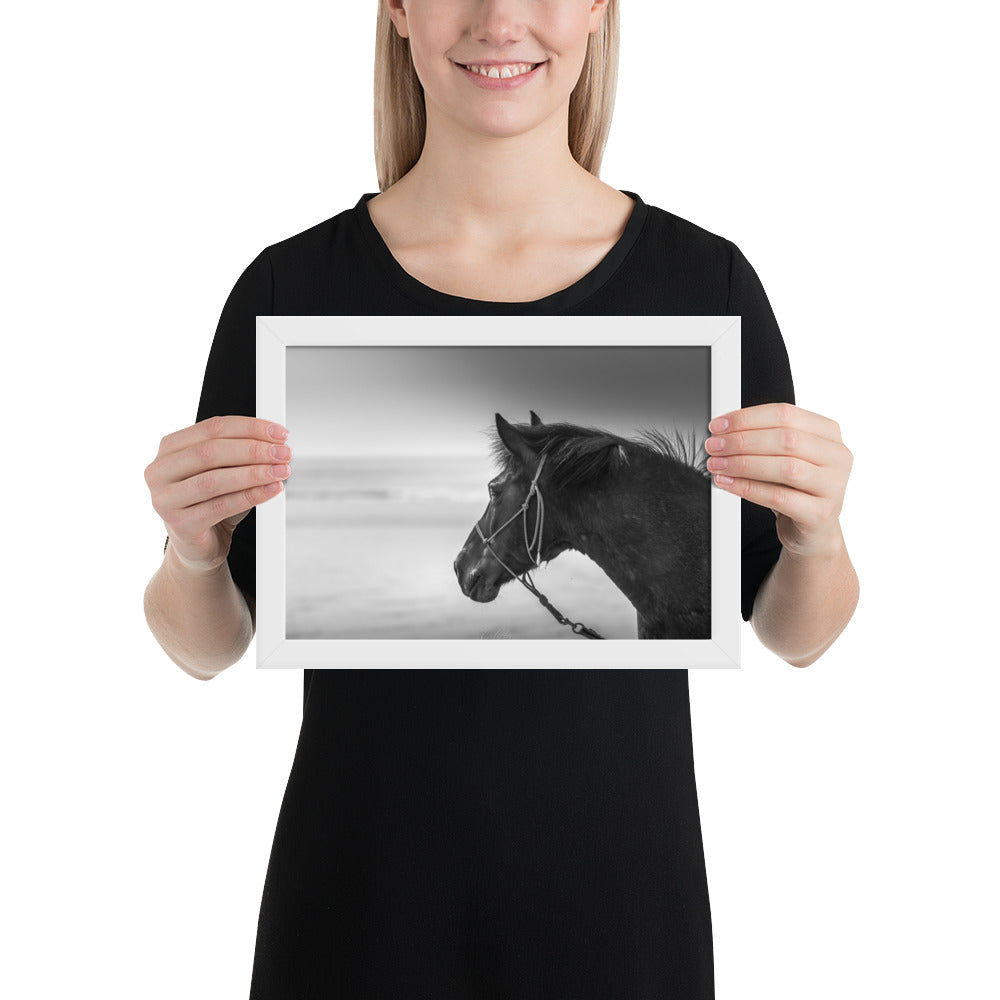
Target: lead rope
point(536, 540)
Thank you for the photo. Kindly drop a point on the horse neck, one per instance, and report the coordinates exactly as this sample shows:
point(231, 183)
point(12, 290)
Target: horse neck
point(648, 529)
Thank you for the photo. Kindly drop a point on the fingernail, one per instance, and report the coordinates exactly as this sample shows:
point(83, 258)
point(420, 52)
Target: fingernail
point(277, 432)
point(718, 424)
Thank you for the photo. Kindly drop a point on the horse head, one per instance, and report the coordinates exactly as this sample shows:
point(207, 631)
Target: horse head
point(516, 530)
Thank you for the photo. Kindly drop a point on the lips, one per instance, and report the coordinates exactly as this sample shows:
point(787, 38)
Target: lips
point(500, 68)
point(496, 81)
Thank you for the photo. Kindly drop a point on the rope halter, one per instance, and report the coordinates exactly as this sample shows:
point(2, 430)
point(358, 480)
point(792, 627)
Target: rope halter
point(534, 543)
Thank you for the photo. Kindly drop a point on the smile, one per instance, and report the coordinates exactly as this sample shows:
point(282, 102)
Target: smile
point(500, 72)
point(502, 76)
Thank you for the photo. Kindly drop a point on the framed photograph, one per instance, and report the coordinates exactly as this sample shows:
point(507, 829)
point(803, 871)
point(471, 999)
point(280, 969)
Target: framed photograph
point(493, 491)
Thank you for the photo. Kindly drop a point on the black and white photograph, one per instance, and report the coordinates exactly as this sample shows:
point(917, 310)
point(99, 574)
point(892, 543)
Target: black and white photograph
point(499, 491)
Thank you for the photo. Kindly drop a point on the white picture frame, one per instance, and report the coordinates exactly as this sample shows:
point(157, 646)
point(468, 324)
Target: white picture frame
point(277, 335)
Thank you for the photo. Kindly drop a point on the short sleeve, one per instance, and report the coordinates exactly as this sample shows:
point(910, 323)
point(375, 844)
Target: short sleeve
point(230, 387)
point(766, 378)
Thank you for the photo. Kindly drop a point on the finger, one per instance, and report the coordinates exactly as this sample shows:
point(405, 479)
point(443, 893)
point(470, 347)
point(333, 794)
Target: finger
point(216, 453)
point(197, 519)
point(815, 480)
point(777, 415)
point(778, 441)
point(222, 427)
point(806, 510)
point(214, 483)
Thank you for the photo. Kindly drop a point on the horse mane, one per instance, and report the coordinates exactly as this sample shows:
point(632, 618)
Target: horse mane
point(684, 450)
point(579, 455)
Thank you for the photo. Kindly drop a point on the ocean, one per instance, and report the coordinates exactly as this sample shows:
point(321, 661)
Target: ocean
point(370, 544)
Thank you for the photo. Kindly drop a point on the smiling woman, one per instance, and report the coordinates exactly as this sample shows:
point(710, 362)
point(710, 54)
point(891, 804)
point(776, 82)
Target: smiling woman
point(479, 833)
point(573, 45)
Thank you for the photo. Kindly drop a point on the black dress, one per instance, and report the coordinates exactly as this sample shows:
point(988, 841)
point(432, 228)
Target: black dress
point(476, 834)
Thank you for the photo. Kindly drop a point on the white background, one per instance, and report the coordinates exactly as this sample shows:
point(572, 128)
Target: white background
point(153, 150)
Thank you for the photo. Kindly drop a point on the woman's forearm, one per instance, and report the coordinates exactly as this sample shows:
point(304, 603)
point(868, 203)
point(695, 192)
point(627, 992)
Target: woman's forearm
point(201, 620)
point(805, 602)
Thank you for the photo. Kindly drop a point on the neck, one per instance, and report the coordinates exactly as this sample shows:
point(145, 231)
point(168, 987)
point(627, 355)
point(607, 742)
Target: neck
point(484, 188)
point(651, 536)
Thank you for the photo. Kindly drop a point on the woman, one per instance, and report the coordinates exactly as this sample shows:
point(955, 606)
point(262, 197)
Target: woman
point(494, 833)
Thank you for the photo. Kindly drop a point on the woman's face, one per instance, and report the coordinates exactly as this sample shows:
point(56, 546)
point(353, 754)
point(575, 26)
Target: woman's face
point(513, 36)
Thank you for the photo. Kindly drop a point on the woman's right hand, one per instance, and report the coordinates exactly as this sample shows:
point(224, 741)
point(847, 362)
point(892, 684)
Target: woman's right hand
point(206, 478)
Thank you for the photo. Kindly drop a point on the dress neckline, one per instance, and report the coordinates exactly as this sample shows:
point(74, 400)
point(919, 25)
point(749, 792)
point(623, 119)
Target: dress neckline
point(571, 295)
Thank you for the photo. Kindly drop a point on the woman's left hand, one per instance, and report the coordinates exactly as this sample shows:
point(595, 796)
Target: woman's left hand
point(790, 460)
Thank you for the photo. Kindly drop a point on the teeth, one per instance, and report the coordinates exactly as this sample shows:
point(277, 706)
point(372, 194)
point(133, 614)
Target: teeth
point(502, 72)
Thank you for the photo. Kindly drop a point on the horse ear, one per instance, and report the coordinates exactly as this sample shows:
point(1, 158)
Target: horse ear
point(535, 418)
point(514, 442)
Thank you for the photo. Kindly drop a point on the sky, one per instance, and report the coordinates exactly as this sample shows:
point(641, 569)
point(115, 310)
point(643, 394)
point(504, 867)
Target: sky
point(436, 400)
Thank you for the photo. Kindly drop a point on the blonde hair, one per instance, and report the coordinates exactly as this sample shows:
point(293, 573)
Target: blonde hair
point(401, 121)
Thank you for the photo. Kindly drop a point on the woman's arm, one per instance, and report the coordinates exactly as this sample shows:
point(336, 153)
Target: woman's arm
point(805, 602)
point(204, 482)
point(794, 462)
point(203, 621)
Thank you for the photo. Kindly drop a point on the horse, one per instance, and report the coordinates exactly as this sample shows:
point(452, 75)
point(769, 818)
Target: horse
point(639, 508)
